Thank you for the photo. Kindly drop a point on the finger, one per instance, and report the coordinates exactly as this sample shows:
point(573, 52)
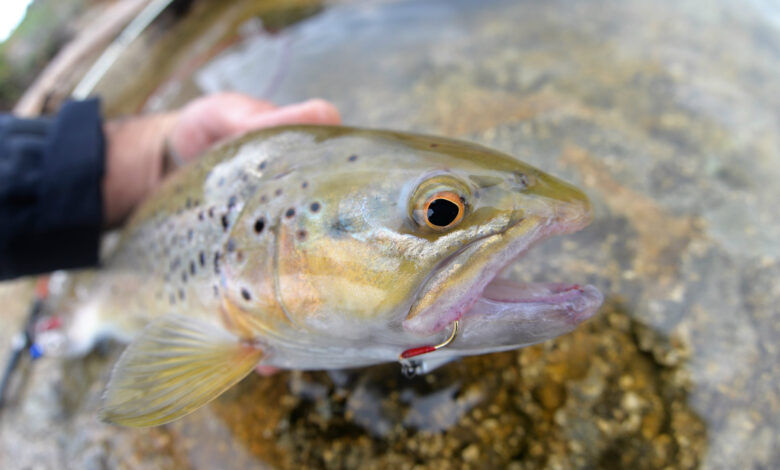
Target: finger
point(211, 118)
point(224, 113)
point(309, 112)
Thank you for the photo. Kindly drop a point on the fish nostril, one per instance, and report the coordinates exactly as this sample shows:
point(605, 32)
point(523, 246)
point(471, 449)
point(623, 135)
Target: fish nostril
point(521, 181)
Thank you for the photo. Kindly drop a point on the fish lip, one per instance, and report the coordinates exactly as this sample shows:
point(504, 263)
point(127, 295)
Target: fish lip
point(428, 323)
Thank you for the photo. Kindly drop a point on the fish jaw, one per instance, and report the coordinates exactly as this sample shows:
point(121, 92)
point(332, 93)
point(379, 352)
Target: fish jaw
point(529, 314)
point(498, 314)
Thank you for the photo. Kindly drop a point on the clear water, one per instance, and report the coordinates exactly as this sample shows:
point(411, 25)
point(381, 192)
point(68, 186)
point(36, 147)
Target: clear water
point(664, 112)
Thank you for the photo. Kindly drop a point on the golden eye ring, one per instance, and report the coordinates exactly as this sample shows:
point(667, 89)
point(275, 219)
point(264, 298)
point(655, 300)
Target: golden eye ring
point(443, 210)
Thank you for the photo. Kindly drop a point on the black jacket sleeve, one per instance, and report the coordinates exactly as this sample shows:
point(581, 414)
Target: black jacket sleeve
point(50, 190)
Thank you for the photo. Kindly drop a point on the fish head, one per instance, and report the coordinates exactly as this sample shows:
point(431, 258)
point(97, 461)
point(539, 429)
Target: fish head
point(510, 205)
point(407, 234)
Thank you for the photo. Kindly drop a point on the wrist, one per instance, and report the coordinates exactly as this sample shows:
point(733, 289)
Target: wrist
point(134, 162)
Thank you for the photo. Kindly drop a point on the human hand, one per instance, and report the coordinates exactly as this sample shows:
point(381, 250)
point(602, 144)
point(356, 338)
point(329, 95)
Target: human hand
point(135, 147)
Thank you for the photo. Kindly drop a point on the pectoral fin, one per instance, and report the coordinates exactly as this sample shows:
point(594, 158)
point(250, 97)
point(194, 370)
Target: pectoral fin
point(174, 367)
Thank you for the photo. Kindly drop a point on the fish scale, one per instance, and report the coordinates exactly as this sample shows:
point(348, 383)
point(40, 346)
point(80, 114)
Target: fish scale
point(210, 211)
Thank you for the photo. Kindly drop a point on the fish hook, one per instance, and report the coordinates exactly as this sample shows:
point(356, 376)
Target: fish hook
point(426, 349)
point(411, 367)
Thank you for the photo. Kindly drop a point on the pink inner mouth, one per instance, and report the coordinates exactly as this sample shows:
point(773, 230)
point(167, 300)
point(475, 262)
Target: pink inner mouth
point(566, 304)
point(502, 290)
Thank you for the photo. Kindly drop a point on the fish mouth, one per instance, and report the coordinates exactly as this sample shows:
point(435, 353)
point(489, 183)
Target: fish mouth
point(496, 313)
point(511, 314)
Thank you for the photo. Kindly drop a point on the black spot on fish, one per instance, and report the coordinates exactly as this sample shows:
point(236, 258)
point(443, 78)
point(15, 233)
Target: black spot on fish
point(290, 213)
point(217, 256)
point(211, 211)
point(200, 215)
point(261, 167)
point(225, 222)
point(239, 256)
point(263, 198)
point(190, 234)
point(305, 184)
point(232, 202)
point(188, 203)
point(231, 245)
point(184, 277)
point(352, 158)
point(245, 294)
point(278, 192)
point(301, 234)
point(181, 294)
point(192, 268)
point(315, 206)
point(216, 290)
point(433, 146)
point(259, 225)
point(202, 258)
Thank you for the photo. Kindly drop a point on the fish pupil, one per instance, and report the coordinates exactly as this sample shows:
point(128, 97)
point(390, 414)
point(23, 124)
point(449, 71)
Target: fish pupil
point(442, 212)
point(245, 294)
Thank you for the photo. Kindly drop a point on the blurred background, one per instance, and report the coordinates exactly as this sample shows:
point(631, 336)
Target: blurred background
point(665, 112)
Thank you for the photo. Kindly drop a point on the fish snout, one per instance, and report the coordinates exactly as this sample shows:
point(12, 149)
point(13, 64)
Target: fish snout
point(565, 206)
point(573, 215)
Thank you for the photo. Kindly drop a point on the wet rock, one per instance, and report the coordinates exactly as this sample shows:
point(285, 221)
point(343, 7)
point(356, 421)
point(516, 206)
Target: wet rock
point(550, 395)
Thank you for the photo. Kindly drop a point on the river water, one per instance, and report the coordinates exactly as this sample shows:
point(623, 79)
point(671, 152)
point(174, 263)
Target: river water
point(666, 113)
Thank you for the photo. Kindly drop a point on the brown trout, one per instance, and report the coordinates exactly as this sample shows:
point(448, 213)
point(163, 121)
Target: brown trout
point(313, 247)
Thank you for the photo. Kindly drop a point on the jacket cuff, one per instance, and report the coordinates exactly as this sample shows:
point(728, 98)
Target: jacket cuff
point(65, 232)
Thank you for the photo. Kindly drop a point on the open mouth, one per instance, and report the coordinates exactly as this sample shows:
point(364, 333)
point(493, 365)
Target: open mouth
point(496, 313)
point(513, 313)
point(502, 296)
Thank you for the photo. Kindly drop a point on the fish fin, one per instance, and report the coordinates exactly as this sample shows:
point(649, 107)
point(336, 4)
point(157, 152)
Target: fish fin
point(175, 366)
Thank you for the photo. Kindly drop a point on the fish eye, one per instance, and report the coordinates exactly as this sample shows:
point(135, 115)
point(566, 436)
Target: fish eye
point(443, 210)
point(439, 203)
